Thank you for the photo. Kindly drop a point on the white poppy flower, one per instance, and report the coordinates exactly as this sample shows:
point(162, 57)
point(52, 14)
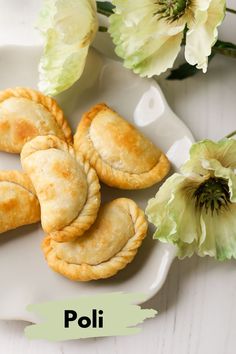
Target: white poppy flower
point(68, 27)
point(196, 210)
point(148, 33)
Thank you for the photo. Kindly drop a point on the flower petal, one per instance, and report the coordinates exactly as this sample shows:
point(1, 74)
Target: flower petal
point(68, 28)
point(171, 211)
point(203, 33)
point(202, 5)
point(224, 151)
point(181, 220)
point(161, 60)
point(164, 195)
point(220, 234)
point(147, 44)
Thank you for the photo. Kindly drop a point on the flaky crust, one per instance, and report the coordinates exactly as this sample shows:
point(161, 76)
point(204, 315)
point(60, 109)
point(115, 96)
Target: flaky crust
point(47, 102)
point(86, 272)
point(18, 203)
point(106, 173)
point(88, 214)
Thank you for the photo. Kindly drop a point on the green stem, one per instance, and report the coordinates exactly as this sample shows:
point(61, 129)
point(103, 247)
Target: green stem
point(103, 12)
point(232, 11)
point(231, 134)
point(102, 29)
point(105, 8)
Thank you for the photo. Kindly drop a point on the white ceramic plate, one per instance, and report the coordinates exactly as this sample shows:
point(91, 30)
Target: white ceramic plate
point(24, 275)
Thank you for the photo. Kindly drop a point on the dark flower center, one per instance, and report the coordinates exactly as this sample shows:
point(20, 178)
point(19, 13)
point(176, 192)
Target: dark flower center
point(172, 10)
point(212, 195)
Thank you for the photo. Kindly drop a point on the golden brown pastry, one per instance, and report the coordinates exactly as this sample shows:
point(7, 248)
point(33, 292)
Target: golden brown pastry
point(107, 247)
point(18, 203)
point(24, 114)
point(66, 186)
point(121, 155)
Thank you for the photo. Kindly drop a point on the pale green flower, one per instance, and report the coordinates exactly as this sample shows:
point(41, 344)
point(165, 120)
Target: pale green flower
point(148, 33)
point(68, 27)
point(196, 210)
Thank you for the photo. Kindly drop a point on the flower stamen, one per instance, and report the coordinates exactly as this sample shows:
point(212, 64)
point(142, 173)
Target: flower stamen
point(172, 10)
point(212, 194)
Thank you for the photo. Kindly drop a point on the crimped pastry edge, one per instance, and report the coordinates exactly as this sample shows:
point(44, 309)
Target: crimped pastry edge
point(86, 272)
point(88, 214)
point(107, 174)
point(47, 102)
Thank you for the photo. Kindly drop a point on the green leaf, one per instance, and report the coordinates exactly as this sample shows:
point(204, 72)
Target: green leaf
point(105, 8)
point(182, 72)
point(225, 48)
point(185, 70)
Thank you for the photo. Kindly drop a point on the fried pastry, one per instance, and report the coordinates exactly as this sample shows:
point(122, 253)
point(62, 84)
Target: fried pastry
point(67, 186)
point(121, 155)
point(18, 203)
point(24, 114)
point(107, 247)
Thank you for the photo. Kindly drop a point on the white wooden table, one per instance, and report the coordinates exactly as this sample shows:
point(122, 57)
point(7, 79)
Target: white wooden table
point(197, 312)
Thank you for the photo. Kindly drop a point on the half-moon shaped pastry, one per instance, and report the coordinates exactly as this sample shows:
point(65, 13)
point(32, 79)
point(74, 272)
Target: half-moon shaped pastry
point(67, 187)
point(107, 247)
point(24, 114)
point(121, 155)
point(18, 203)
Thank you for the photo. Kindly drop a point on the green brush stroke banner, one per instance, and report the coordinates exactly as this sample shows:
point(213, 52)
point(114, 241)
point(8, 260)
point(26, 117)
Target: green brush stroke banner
point(118, 315)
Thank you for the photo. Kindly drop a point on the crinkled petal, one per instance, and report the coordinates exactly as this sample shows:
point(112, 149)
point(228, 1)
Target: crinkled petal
point(224, 151)
point(46, 15)
point(203, 33)
point(164, 195)
point(163, 58)
point(219, 232)
point(131, 14)
point(171, 211)
point(202, 5)
point(68, 28)
point(148, 45)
